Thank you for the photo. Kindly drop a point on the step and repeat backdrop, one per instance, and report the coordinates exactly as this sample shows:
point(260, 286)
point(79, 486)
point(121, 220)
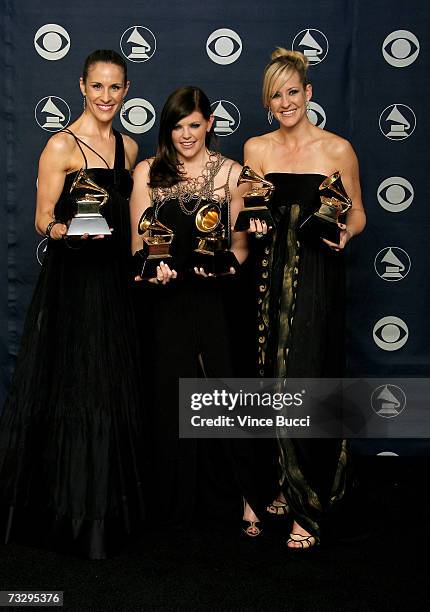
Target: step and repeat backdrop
point(370, 72)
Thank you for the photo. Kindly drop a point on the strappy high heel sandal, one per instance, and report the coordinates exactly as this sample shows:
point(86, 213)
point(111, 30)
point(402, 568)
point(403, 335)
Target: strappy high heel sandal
point(252, 529)
point(307, 543)
point(278, 508)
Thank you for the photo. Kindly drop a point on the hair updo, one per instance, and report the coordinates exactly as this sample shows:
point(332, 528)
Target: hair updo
point(106, 56)
point(282, 63)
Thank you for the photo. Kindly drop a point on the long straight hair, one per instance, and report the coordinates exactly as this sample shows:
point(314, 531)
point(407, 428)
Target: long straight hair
point(166, 168)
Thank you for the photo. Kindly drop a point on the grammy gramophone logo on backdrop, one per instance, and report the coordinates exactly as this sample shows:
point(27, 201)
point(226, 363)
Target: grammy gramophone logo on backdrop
point(395, 194)
point(400, 48)
point(138, 44)
point(227, 117)
point(388, 401)
point(313, 44)
point(392, 264)
point(52, 113)
point(397, 122)
point(224, 46)
point(52, 41)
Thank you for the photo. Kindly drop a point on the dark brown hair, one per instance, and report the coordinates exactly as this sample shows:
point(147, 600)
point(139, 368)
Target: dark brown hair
point(104, 55)
point(166, 169)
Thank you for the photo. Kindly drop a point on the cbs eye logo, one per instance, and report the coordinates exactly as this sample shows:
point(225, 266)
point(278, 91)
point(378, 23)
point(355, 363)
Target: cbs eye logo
point(400, 48)
point(316, 114)
point(52, 42)
point(138, 115)
point(395, 194)
point(390, 333)
point(224, 46)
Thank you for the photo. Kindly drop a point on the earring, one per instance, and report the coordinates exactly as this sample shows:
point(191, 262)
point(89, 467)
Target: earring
point(307, 106)
point(270, 116)
point(84, 102)
point(123, 109)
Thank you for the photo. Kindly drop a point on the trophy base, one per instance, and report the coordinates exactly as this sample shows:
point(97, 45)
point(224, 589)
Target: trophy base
point(315, 227)
point(146, 265)
point(91, 225)
point(216, 262)
point(253, 212)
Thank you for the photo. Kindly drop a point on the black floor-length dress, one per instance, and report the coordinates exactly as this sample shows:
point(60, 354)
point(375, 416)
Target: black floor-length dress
point(70, 429)
point(188, 337)
point(301, 310)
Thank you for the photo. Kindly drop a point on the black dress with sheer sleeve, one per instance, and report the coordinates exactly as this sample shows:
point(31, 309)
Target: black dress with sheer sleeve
point(71, 426)
point(301, 311)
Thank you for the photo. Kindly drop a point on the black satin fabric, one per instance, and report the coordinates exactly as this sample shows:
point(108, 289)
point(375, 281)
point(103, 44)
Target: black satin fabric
point(313, 470)
point(70, 432)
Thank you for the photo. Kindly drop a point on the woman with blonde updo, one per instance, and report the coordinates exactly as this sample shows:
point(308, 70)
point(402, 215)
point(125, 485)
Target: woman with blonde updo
point(301, 297)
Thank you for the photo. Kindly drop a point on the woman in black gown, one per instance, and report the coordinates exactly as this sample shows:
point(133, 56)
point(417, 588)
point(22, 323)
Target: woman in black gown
point(69, 431)
point(301, 299)
point(186, 336)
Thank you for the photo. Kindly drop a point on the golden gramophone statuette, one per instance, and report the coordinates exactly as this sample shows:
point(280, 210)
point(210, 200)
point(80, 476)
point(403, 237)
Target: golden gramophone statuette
point(212, 253)
point(255, 201)
point(157, 239)
point(88, 218)
point(335, 202)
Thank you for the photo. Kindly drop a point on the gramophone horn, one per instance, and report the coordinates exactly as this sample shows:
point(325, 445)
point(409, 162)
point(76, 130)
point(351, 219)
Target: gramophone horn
point(83, 181)
point(333, 183)
point(247, 175)
point(149, 222)
point(208, 218)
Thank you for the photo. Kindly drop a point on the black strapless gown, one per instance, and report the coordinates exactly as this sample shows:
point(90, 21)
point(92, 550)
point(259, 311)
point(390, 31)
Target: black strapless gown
point(70, 429)
point(301, 309)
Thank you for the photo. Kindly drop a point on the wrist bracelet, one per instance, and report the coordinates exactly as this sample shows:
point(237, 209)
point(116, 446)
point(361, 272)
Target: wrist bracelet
point(50, 226)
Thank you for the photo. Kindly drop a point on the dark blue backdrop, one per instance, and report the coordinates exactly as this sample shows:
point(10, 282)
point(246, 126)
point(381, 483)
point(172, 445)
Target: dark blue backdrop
point(370, 72)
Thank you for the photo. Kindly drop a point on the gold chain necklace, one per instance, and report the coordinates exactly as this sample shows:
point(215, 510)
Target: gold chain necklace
point(200, 187)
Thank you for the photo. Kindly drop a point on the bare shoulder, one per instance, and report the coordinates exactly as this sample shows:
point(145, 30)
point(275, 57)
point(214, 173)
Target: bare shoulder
point(130, 145)
point(232, 168)
point(58, 153)
point(142, 169)
point(336, 146)
point(60, 144)
point(257, 144)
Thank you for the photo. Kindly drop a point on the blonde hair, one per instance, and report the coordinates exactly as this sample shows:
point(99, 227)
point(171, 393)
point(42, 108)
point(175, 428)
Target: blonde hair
point(282, 63)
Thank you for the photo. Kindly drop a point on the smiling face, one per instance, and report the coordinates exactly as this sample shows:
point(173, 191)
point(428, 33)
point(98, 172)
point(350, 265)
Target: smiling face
point(104, 89)
point(188, 135)
point(289, 98)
